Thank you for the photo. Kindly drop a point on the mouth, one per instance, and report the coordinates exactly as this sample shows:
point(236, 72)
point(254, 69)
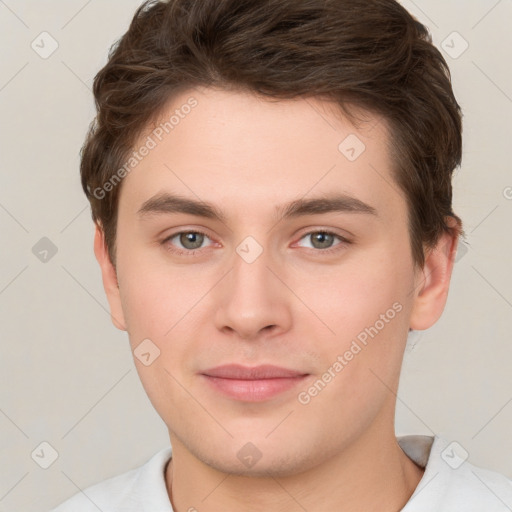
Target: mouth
point(252, 384)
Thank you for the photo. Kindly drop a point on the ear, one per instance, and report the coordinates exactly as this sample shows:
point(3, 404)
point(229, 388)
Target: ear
point(109, 277)
point(433, 281)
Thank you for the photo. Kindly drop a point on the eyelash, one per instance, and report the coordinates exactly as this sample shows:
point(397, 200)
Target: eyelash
point(183, 252)
point(193, 252)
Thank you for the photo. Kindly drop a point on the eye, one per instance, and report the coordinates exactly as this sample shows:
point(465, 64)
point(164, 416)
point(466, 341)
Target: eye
point(323, 240)
point(186, 241)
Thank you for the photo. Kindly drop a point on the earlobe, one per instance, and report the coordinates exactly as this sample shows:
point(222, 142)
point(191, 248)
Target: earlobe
point(433, 282)
point(109, 277)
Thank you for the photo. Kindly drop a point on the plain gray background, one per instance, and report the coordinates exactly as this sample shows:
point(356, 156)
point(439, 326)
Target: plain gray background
point(68, 378)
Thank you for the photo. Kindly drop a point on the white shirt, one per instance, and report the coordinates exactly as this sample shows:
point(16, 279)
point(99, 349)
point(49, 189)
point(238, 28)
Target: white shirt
point(449, 484)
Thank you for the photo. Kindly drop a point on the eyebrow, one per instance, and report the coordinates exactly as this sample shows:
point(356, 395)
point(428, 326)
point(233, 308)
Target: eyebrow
point(165, 203)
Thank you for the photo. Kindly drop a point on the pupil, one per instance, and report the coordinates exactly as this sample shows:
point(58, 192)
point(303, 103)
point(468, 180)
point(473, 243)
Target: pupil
point(195, 239)
point(323, 239)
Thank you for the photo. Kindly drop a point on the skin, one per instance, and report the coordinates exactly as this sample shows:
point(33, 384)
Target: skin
point(294, 306)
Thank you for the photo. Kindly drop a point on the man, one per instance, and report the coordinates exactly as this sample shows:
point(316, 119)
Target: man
point(271, 187)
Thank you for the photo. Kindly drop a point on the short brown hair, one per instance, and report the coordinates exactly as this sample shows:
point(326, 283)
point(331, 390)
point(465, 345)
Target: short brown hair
point(367, 53)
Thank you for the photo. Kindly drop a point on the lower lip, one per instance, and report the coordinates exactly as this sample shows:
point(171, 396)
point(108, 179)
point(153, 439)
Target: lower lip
point(254, 390)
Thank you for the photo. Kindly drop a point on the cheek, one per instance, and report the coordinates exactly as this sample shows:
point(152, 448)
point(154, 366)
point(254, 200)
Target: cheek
point(367, 305)
point(156, 296)
point(368, 312)
point(162, 321)
point(353, 296)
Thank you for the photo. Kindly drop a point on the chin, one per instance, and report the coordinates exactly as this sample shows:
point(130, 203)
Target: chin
point(274, 465)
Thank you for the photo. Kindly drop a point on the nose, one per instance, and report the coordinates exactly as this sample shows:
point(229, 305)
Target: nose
point(252, 300)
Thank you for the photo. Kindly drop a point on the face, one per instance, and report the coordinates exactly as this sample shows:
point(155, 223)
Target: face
point(261, 233)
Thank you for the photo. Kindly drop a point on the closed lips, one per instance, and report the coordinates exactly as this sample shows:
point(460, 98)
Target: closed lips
point(262, 372)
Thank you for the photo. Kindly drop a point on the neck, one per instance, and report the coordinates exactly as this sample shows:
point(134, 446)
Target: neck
point(373, 473)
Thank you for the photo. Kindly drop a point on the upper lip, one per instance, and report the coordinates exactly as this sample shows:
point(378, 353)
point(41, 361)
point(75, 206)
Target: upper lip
point(239, 372)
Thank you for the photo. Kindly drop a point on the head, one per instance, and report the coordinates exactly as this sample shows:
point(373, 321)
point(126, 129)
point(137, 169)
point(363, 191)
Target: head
point(303, 153)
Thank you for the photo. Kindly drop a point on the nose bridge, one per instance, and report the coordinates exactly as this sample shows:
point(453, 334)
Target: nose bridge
point(252, 297)
point(250, 273)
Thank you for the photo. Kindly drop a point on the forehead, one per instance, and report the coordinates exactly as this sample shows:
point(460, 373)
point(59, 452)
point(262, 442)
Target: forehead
point(240, 150)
